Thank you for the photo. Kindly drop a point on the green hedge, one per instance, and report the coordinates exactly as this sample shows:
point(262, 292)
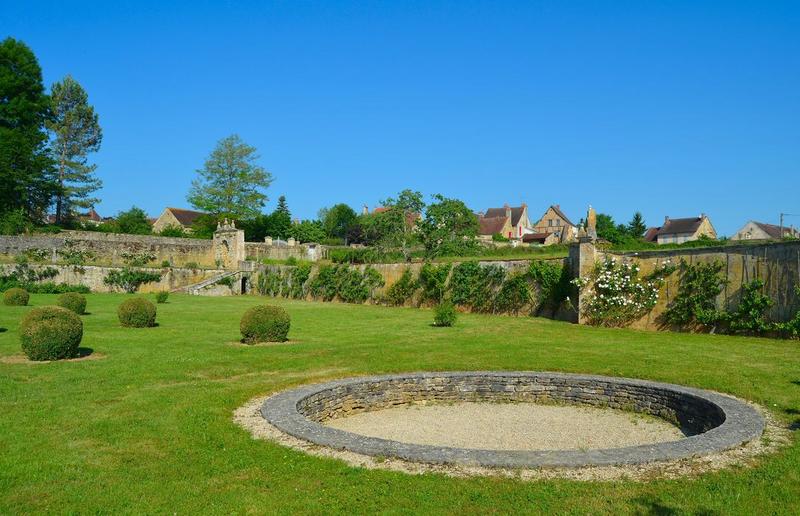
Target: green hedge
point(265, 323)
point(73, 301)
point(16, 297)
point(50, 333)
point(137, 312)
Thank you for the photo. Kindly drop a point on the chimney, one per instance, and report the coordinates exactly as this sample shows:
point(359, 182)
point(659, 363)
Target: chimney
point(508, 210)
point(702, 215)
point(666, 219)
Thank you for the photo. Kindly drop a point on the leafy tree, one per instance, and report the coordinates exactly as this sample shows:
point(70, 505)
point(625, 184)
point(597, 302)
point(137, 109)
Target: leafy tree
point(607, 230)
point(636, 227)
point(25, 167)
point(231, 183)
point(409, 201)
point(449, 228)
point(76, 133)
point(133, 221)
point(338, 220)
point(307, 231)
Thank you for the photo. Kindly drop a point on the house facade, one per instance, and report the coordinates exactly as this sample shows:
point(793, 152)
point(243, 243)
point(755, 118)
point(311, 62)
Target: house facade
point(510, 222)
point(176, 217)
point(554, 221)
point(761, 231)
point(678, 231)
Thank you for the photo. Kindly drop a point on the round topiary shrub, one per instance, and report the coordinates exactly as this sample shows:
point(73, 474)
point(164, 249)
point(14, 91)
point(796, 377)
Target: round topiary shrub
point(73, 301)
point(445, 314)
point(264, 323)
point(50, 333)
point(137, 312)
point(16, 297)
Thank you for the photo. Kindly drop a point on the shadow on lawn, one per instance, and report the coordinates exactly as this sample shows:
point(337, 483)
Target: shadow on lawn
point(796, 382)
point(649, 505)
point(3, 330)
point(84, 352)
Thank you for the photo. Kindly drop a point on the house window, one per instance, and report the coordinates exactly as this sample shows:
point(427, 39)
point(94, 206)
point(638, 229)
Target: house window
point(550, 222)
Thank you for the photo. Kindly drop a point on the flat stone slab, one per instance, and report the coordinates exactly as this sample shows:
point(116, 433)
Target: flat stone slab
point(713, 422)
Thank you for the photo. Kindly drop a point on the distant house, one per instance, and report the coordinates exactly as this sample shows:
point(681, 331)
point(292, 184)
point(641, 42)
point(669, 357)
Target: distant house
point(540, 238)
point(554, 221)
point(511, 222)
point(761, 231)
point(176, 217)
point(678, 231)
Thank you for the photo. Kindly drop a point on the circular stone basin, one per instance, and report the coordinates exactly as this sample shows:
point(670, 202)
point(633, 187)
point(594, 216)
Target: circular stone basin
point(514, 419)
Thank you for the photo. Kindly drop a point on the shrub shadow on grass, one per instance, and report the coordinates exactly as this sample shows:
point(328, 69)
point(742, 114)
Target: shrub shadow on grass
point(83, 354)
point(796, 382)
point(242, 344)
point(3, 330)
point(651, 506)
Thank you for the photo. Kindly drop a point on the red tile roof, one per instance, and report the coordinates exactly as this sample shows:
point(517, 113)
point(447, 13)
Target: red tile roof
point(491, 225)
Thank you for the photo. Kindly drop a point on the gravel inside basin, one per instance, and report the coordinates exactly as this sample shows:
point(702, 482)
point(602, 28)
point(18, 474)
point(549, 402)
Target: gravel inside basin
point(510, 426)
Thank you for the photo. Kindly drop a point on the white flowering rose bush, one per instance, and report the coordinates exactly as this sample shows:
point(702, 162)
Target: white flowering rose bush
point(617, 295)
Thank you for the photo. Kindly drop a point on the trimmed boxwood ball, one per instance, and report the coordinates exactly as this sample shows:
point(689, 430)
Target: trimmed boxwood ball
point(73, 301)
point(137, 312)
point(265, 323)
point(50, 333)
point(16, 297)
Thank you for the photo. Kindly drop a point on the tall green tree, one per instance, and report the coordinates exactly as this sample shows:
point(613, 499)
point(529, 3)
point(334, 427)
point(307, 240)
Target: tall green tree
point(281, 219)
point(26, 181)
point(133, 221)
point(231, 183)
point(449, 228)
point(338, 221)
point(408, 200)
point(636, 227)
point(76, 133)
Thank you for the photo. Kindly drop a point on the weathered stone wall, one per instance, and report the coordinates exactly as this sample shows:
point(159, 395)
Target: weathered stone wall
point(776, 264)
point(172, 278)
point(261, 250)
point(108, 248)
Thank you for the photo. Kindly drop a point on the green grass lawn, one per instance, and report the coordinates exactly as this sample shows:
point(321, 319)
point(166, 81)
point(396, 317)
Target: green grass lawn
point(148, 429)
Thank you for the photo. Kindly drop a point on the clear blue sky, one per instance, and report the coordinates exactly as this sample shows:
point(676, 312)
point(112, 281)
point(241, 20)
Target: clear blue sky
point(665, 107)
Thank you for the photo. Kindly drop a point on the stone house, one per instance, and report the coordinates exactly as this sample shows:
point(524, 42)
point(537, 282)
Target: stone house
point(678, 231)
point(511, 222)
point(761, 231)
point(554, 221)
point(176, 217)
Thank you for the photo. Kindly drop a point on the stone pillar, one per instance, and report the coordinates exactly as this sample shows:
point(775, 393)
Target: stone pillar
point(228, 245)
point(291, 242)
point(582, 259)
point(268, 240)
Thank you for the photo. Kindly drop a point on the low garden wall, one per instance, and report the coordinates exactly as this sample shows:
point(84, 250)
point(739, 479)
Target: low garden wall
point(91, 276)
point(108, 248)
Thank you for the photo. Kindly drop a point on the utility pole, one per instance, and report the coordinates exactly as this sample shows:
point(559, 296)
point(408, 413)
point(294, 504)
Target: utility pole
point(780, 235)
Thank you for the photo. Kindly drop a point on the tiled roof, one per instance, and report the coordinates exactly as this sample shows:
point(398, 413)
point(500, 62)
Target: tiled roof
point(557, 209)
point(516, 214)
point(680, 226)
point(491, 225)
point(185, 217)
point(651, 235)
point(774, 231)
point(535, 237)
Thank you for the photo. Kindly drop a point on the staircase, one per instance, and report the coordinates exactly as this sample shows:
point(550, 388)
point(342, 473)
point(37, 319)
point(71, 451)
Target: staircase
point(197, 288)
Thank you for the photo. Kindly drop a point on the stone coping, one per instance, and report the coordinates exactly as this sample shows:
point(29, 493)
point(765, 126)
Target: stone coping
point(718, 422)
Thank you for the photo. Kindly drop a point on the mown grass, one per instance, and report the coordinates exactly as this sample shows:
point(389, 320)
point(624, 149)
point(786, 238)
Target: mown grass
point(148, 429)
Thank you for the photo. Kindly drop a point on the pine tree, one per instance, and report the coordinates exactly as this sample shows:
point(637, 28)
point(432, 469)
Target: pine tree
point(636, 227)
point(26, 187)
point(281, 219)
point(231, 183)
point(76, 133)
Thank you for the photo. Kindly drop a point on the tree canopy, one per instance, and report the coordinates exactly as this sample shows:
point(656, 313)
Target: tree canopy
point(27, 184)
point(231, 183)
point(449, 227)
point(76, 132)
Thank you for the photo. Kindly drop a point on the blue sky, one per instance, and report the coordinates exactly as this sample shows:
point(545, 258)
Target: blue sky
point(670, 108)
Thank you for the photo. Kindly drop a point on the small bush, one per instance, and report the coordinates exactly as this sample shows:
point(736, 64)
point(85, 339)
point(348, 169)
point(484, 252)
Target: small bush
point(137, 312)
point(192, 265)
point(162, 296)
point(16, 297)
point(445, 314)
point(73, 301)
point(50, 333)
point(165, 264)
point(264, 323)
